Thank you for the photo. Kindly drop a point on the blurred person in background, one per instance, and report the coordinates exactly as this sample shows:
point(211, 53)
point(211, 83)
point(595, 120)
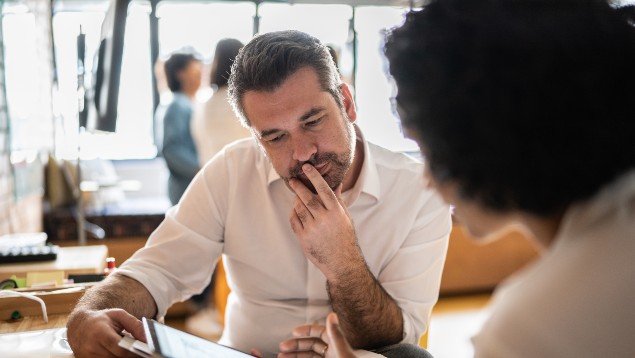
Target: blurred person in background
point(215, 124)
point(183, 75)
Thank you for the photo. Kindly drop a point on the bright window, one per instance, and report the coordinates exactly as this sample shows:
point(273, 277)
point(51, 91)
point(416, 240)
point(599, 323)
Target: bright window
point(133, 138)
point(199, 25)
point(374, 91)
point(206, 24)
point(329, 23)
point(26, 81)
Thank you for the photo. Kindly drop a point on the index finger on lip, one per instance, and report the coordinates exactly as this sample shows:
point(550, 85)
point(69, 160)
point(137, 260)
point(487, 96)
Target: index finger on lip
point(321, 186)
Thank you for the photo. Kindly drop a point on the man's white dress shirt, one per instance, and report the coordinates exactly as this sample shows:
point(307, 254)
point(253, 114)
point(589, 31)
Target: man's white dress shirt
point(238, 206)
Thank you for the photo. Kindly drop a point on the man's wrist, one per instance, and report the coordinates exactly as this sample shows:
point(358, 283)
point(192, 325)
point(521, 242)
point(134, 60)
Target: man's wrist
point(349, 268)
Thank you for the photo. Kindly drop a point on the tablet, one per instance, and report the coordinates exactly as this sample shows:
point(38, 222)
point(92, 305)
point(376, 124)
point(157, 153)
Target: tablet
point(165, 341)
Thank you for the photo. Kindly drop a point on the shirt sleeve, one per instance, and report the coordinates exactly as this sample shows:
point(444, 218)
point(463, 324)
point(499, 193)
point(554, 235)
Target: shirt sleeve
point(181, 254)
point(413, 275)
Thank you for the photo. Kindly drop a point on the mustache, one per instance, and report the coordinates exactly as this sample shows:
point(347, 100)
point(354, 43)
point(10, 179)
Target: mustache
point(315, 161)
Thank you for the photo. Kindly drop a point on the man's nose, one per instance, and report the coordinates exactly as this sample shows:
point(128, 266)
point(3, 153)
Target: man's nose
point(303, 149)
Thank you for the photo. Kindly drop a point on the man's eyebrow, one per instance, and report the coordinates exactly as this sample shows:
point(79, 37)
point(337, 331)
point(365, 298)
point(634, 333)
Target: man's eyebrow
point(307, 115)
point(311, 112)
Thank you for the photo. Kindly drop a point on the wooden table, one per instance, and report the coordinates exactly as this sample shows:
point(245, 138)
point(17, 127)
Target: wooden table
point(71, 260)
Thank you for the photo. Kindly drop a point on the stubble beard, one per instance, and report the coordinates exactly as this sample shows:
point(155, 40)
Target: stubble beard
point(338, 167)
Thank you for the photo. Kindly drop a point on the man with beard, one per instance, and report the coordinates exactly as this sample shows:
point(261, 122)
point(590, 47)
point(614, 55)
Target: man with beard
point(310, 219)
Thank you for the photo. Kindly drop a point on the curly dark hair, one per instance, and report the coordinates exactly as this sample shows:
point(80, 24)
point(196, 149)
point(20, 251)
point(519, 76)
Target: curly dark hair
point(269, 59)
point(525, 105)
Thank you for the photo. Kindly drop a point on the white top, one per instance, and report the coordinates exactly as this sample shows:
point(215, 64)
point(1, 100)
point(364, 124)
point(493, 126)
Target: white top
point(214, 125)
point(239, 206)
point(578, 300)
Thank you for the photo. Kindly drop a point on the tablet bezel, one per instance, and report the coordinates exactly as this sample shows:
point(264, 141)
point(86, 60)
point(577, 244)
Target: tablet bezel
point(152, 338)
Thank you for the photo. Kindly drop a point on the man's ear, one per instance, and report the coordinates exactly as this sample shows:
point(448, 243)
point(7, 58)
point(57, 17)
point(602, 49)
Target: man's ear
point(349, 104)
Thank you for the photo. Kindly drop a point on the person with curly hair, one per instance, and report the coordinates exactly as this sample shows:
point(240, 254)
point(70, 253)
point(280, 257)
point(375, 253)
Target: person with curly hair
point(524, 113)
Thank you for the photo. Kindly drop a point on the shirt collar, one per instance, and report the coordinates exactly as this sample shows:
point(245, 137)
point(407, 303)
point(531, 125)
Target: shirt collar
point(367, 182)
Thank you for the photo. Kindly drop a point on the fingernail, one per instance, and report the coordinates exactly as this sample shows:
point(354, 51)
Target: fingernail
point(307, 167)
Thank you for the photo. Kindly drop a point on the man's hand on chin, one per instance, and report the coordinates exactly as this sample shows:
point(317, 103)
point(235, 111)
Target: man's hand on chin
point(323, 225)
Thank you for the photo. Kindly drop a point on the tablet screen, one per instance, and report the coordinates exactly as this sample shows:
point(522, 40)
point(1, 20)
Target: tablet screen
point(173, 343)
